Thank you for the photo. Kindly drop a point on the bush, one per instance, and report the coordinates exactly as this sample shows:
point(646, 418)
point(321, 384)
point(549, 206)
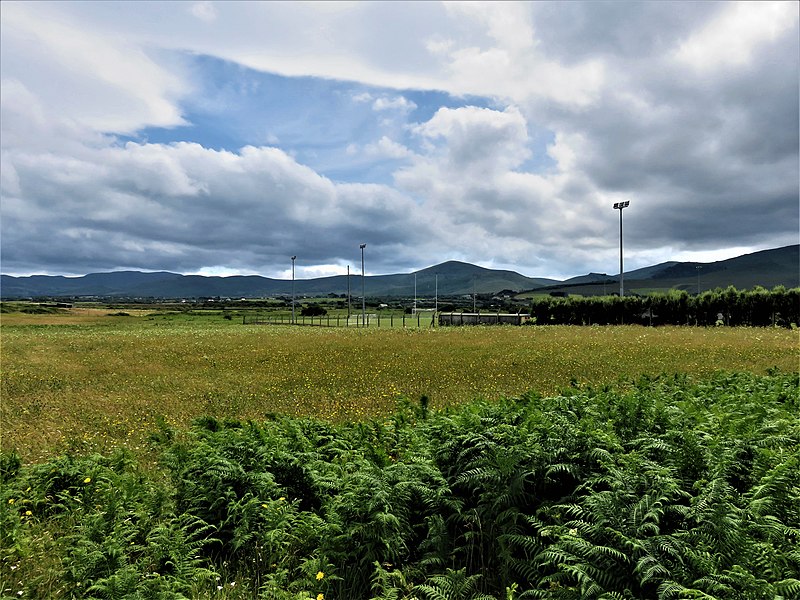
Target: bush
point(312, 310)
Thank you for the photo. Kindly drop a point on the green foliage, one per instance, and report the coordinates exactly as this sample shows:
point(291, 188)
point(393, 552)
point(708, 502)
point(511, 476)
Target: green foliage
point(657, 488)
point(313, 310)
point(757, 307)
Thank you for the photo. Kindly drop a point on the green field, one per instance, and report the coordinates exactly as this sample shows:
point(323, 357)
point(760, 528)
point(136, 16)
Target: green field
point(179, 454)
point(87, 381)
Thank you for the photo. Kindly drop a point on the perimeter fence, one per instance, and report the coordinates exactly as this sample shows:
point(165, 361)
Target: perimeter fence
point(355, 320)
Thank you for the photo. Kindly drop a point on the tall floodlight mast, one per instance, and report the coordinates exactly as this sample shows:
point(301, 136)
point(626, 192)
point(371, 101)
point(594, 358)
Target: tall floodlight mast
point(294, 258)
point(363, 297)
point(619, 206)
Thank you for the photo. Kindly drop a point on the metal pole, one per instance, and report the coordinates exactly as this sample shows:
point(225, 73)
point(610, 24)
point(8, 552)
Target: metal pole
point(436, 294)
point(363, 296)
point(619, 206)
point(621, 271)
point(348, 294)
point(293, 259)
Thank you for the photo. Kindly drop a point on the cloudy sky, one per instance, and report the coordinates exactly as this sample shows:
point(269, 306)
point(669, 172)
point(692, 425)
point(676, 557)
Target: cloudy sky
point(224, 137)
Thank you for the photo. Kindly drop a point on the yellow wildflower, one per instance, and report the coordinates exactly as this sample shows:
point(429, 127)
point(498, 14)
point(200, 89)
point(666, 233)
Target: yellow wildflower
point(11, 501)
point(87, 480)
point(28, 513)
point(320, 575)
point(320, 596)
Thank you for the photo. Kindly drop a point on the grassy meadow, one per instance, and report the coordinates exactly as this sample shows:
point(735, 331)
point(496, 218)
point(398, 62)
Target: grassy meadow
point(85, 380)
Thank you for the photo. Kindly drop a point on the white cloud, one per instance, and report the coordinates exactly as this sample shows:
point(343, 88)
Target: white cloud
point(387, 148)
point(97, 79)
point(399, 103)
point(362, 97)
point(736, 33)
point(204, 11)
point(475, 141)
point(508, 24)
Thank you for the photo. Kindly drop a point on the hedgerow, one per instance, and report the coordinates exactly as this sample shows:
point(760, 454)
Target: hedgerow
point(656, 488)
point(757, 307)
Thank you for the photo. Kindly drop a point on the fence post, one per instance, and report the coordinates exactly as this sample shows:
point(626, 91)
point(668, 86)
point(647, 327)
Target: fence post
point(417, 320)
point(404, 319)
point(391, 320)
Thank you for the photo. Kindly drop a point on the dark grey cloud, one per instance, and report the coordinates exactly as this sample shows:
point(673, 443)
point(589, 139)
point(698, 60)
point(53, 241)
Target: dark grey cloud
point(575, 31)
point(183, 207)
point(708, 158)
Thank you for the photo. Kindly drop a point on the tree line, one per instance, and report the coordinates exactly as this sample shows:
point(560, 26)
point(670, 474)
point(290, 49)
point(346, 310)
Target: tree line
point(757, 307)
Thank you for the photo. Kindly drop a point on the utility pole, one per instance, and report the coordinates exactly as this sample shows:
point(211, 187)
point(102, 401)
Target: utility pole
point(348, 294)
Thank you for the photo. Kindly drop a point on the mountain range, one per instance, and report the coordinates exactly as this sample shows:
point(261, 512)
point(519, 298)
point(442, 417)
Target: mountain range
point(768, 268)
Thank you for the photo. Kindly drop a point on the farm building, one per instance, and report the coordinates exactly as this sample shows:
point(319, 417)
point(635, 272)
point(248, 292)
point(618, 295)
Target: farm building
point(454, 318)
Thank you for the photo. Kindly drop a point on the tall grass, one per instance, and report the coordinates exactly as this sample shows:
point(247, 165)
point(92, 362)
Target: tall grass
point(661, 488)
point(105, 383)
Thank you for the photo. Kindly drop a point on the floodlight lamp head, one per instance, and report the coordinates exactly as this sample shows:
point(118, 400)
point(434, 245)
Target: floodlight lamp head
point(621, 205)
point(362, 246)
point(294, 258)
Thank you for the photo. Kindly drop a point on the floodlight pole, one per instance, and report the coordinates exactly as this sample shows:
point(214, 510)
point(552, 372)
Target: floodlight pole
point(363, 296)
point(619, 206)
point(697, 268)
point(348, 294)
point(294, 258)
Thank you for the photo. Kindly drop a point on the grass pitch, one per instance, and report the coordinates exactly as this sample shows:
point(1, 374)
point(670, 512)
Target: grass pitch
point(92, 382)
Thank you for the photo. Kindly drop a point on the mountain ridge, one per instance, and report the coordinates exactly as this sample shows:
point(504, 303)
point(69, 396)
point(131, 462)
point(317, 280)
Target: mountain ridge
point(778, 266)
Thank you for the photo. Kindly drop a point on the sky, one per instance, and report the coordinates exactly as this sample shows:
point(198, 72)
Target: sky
point(222, 138)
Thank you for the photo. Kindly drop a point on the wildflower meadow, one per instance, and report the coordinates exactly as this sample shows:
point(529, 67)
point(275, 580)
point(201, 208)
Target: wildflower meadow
point(155, 457)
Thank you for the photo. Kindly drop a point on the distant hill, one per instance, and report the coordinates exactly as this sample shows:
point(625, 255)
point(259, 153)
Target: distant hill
point(767, 268)
point(453, 278)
